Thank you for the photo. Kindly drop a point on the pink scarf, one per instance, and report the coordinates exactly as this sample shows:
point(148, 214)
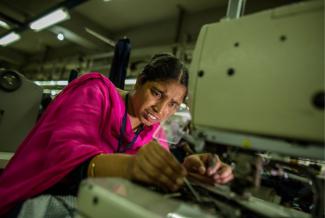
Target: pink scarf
point(84, 120)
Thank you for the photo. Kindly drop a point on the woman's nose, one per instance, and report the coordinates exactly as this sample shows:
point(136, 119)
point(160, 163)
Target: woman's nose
point(159, 107)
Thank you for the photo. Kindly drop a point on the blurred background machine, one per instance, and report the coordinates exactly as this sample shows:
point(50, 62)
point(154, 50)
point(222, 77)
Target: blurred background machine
point(257, 100)
point(19, 108)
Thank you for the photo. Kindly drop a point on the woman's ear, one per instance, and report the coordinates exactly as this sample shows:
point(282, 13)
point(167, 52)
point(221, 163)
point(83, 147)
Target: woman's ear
point(136, 86)
point(139, 82)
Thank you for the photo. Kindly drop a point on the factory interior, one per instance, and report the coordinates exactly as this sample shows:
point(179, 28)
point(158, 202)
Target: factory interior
point(254, 103)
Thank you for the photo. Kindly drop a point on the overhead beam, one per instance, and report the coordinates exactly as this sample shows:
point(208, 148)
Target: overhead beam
point(74, 37)
point(75, 31)
point(11, 56)
point(12, 15)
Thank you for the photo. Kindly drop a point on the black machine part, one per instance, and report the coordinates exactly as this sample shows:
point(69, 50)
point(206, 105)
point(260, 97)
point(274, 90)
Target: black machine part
point(9, 80)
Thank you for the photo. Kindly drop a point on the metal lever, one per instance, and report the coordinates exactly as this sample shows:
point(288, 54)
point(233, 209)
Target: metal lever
point(195, 194)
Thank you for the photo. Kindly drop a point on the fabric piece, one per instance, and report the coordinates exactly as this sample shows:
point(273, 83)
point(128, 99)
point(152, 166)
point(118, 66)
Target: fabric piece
point(49, 206)
point(84, 120)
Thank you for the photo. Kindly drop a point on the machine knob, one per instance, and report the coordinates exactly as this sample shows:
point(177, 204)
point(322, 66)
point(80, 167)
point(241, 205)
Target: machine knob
point(9, 80)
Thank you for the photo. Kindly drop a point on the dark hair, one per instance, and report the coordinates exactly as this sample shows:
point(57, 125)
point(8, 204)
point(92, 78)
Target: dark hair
point(164, 67)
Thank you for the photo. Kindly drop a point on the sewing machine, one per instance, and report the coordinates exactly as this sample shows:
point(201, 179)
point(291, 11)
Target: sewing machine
point(257, 100)
point(19, 106)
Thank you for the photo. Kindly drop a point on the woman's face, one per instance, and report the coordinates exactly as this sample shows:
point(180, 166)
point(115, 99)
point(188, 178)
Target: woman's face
point(153, 102)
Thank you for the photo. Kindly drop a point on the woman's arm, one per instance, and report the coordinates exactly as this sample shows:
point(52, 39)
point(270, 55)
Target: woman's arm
point(152, 164)
point(110, 165)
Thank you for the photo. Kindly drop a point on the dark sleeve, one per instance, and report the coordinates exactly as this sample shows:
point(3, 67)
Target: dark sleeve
point(69, 185)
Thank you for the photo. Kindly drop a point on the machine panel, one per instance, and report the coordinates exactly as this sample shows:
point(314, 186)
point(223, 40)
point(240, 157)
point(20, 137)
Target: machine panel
point(262, 74)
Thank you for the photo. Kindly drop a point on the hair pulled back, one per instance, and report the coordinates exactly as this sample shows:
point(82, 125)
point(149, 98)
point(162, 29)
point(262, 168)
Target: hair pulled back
point(164, 67)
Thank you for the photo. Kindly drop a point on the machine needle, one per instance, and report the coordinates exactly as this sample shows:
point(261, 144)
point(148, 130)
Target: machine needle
point(188, 184)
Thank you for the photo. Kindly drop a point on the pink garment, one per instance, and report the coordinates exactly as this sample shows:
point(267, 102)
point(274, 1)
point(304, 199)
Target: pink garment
point(84, 120)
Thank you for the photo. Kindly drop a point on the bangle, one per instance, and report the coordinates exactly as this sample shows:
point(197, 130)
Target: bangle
point(92, 169)
point(92, 166)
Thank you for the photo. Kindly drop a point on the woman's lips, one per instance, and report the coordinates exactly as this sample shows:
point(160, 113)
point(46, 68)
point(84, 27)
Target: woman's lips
point(151, 117)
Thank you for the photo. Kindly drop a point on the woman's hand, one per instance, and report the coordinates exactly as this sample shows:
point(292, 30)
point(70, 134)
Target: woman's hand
point(210, 166)
point(154, 165)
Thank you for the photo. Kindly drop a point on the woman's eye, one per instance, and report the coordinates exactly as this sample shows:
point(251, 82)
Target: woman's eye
point(173, 105)
point(155, 93)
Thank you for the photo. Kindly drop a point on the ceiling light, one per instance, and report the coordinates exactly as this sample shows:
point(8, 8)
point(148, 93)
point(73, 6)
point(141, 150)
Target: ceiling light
point(60, 36)
point(50, 19)
point(9, 38)
point(4, 24)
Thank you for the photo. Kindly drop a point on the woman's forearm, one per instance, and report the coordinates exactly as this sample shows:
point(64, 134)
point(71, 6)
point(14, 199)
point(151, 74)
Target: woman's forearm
point(110, 165)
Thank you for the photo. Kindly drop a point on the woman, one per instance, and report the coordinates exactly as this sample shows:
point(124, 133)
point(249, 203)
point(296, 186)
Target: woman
point(93, 129)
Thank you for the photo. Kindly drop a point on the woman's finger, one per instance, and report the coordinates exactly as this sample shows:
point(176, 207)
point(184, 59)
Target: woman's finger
point(154, 165)
point(169, 159)
point(195, 164)
point(214, 164)
point(224, 172)
point(138, 174)
point(226, 179)
point(157, 175)
point(163, 168)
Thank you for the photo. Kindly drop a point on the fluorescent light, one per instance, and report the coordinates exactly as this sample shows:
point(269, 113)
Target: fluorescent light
point(50, 19)
point(60, 36)
point(52, 83)
point(4, 24)
point(130, 81)
point(9, 38)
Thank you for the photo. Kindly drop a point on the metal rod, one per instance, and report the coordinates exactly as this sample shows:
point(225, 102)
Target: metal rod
point(101, 37)
point(235, 9)
point(188, 184)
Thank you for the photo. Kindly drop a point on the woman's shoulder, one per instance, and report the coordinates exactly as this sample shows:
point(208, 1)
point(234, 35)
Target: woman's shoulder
point(91, 82)
point(94, 75)
point(94, 80)
point(106, 80)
